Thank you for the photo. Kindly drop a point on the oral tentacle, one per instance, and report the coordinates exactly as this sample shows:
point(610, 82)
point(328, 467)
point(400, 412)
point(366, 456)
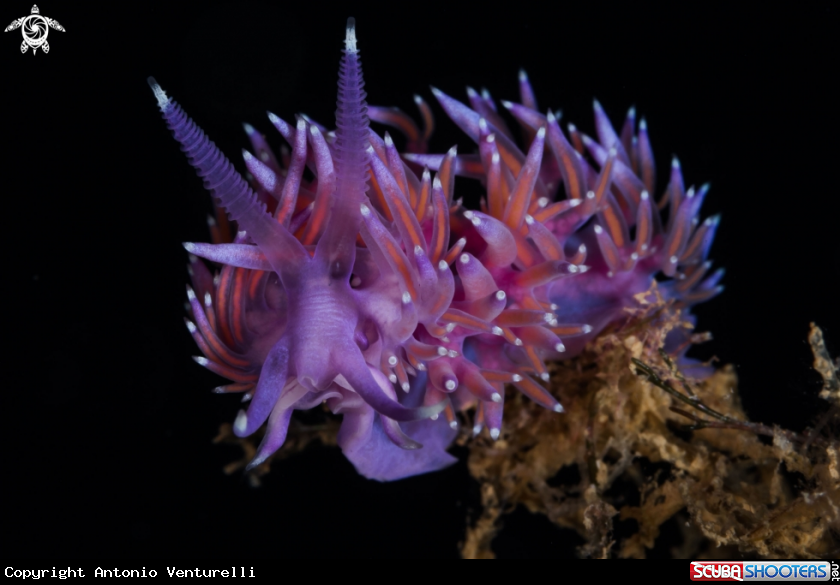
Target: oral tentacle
point(272, 381)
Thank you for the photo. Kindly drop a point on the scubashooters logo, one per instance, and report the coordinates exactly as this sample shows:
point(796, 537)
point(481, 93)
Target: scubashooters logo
point(35, 29)
point(790, 571)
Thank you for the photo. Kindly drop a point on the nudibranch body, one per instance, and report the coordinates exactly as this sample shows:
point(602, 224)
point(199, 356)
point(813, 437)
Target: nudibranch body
point(373, 290)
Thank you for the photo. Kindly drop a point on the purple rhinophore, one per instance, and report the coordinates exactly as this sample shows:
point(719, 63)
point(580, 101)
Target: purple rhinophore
point(372, 290)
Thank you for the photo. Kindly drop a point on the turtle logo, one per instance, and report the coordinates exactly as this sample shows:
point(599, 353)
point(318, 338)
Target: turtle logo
point(35, 28)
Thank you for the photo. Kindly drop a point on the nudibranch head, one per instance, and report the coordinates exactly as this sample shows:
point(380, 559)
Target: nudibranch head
point(372, 290)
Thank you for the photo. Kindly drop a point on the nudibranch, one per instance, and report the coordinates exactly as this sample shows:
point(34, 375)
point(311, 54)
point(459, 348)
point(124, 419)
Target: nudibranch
point(371, 289)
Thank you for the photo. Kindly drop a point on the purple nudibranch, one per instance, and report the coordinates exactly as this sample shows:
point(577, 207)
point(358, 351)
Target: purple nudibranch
point(373, 290)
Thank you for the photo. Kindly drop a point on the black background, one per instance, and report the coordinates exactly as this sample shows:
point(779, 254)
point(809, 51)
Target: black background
point(107, 423)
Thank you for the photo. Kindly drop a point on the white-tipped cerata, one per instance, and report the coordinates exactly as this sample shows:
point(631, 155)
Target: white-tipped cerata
point(241, 422)
point(350, 38)
point(162, 98)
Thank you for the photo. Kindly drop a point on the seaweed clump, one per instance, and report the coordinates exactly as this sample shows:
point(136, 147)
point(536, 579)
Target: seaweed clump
point(733, 487)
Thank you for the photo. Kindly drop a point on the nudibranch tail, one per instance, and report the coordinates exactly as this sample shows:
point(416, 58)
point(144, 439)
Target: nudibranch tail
point(371, 290)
